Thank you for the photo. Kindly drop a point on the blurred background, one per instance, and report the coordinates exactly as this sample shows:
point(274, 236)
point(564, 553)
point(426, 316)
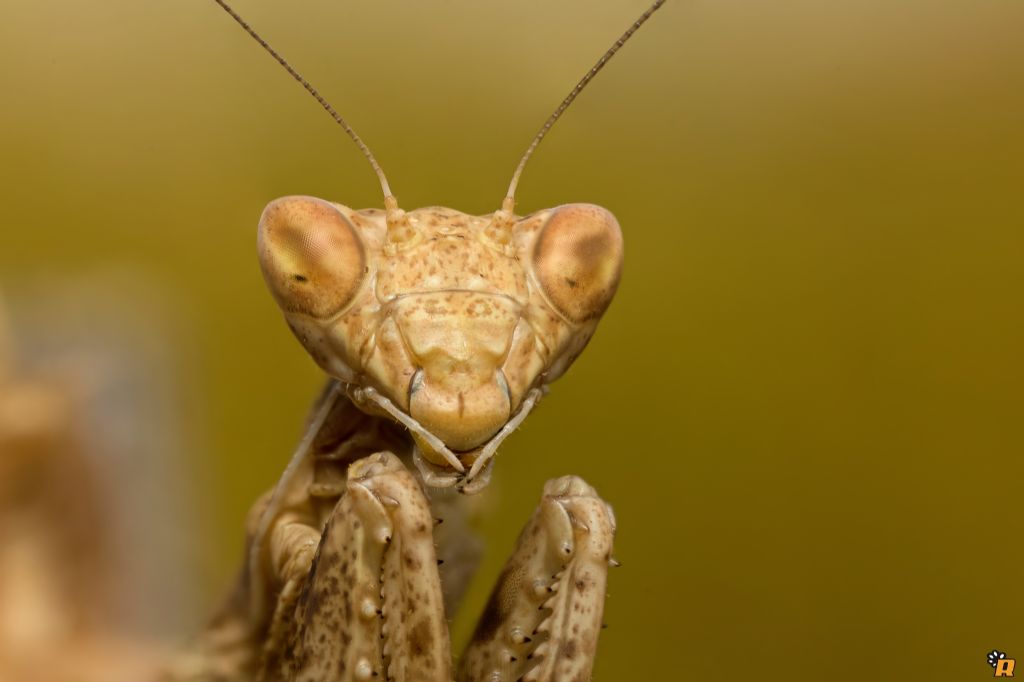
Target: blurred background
point(805, 404)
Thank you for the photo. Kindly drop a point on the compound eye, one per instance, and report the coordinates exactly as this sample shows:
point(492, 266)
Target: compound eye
point(311, 256)
point(578, 259)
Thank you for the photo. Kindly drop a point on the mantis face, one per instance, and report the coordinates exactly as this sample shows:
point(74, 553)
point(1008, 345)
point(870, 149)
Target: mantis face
point(450, 323)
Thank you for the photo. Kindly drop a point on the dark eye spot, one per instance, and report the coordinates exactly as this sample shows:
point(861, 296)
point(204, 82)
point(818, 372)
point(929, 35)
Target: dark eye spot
point(300, 278)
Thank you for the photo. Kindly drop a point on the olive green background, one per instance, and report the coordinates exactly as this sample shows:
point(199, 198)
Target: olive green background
point(806, 401)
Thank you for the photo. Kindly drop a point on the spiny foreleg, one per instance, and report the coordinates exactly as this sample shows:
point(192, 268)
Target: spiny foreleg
point(370, 606)
point(544, 616)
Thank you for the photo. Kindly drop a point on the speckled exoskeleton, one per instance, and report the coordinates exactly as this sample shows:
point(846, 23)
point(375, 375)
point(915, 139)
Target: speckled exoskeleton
point(440, 332)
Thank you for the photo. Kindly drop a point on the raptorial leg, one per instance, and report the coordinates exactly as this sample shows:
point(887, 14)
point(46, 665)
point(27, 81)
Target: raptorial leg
point(544, 615)
point(371, 606)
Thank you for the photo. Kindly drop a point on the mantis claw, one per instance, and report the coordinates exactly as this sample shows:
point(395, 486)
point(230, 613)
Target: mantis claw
point(371, 603)
point(553, 587)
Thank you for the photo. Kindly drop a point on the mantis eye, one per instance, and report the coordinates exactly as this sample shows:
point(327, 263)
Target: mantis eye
point(311, 256)
point(578, 259)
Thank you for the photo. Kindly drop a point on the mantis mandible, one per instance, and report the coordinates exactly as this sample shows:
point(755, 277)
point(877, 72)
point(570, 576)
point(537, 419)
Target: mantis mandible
point(440, 332)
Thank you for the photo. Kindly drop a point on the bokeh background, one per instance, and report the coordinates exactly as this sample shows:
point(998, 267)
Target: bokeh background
point(806, 402)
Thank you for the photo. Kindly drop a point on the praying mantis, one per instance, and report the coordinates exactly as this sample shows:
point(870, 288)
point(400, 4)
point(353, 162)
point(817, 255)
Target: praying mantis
point(440, 332)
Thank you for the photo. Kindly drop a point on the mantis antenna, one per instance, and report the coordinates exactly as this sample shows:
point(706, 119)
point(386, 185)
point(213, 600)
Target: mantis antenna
point(390, 203)
point(509, 203)
point(389, 200)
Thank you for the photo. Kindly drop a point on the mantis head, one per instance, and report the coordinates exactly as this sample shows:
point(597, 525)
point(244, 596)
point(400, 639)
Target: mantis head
point(450, 323)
